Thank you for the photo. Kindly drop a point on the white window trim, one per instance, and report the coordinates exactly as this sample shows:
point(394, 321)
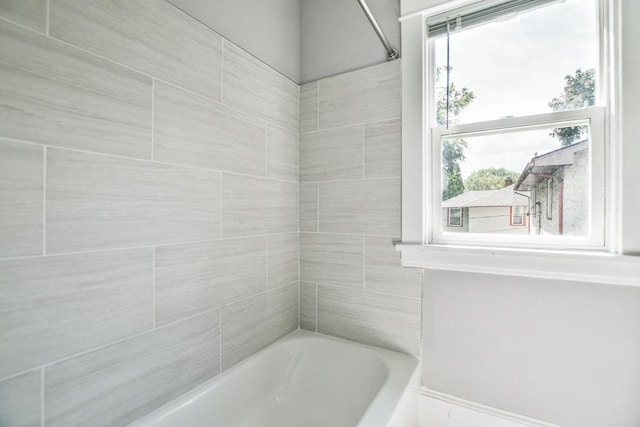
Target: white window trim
point(449, 218)
point(619, 264)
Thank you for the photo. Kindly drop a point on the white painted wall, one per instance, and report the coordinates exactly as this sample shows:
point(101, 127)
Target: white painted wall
point(268, 29)
point(562, 352)
point(336, 36)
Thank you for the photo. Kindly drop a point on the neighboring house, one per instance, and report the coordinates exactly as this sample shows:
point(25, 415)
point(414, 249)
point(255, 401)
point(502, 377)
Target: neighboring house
point(558, 183)
point(487, 211)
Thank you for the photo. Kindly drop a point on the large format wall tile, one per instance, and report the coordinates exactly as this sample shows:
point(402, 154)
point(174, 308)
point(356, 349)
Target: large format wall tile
point(254, 87)
point(309, 107)
point(332, 154)
point(282, 154)
point(21, 199)
point(332, 259)
point(194, 278)
point(369, 206)
point(97, 202)
point(20, 401)
point(253, 324)
point(283, 259)
point(55, 94)
point(308, 206)
point(30, 13)
point(308, 306)
point(384, 273)
point(150, 35)
point(56, 306)
point(117, 384)
point(383, 320)
point(362, 96)
point(194, 131)
point(258, 206)
point(382, 143)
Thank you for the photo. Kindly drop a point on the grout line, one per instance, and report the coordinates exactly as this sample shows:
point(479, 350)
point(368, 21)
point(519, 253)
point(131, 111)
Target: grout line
point(352, 125)
point(153, 117)
point(131, 248)
point(48, 18)
point(153, 283)
point(44, 202)
point(350, 234)
point(353, 289)
point(156, 162)
point(42, 410)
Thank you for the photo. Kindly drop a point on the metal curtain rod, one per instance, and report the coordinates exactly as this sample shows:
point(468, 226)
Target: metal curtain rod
point(392, 53)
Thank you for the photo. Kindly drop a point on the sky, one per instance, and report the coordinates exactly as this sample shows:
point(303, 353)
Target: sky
point(515, 67)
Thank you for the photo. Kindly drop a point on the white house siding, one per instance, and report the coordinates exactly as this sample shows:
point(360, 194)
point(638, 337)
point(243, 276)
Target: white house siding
point(576, 196)
point(493, 219)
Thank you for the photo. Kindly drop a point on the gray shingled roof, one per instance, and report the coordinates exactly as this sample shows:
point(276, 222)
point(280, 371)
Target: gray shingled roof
point(503, 197)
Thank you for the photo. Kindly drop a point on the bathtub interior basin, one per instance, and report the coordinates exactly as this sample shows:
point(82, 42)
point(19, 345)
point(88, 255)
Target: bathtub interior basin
point(304, 379)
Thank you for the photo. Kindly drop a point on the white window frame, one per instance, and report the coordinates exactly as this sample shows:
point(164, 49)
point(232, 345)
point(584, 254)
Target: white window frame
point(520, 215)
point(449, 218)
point(617, 263)
point(592, 117)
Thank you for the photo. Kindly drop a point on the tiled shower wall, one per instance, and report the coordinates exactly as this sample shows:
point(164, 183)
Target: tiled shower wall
point(148, 208)
point(352, 285)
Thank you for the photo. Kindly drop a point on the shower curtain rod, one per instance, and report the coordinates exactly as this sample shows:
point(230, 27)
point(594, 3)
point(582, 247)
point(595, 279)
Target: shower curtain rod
point(392, 53)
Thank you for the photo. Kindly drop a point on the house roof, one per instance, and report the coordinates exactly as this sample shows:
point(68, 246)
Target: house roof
point(485, 198)
point(540, 167)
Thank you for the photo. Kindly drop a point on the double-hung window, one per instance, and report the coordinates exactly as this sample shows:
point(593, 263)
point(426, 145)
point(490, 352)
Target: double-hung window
point(516, 125)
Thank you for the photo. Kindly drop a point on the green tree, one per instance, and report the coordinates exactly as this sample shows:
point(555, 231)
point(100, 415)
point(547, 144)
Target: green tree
point(452, 149)
point(489, 179)
point(579, 92)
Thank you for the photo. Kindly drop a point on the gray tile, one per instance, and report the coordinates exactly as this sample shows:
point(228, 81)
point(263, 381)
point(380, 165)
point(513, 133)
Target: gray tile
point(55, 94)
point(194, 278)
point(369, 206)
point(362, 96)
point(117, 384)
point(382, 143)
point(251, 325)
point(258, 206)
point(21, 199)
point(383, 272)
point(332, 154)
point(332, 259)
point(254, 87)
point(20, 401)
point(282, 154)
point(308, 306)
point(193, 131)
point(56, 306)
point(376, 319)
point(308, 206)
point(283, 259)
point(98, 202)
point(30, 13)
point(151, 36)
point(309, 107)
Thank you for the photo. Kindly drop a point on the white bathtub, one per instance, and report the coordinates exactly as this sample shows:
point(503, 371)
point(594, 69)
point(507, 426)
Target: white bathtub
point(305, 380)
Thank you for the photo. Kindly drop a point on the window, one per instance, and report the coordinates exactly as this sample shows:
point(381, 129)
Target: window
point(497, 110)
point(455, 217)
point(525, 111)
point(517, 215)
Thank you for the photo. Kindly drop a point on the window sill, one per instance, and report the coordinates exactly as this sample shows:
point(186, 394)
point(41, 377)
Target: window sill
point(583, 267)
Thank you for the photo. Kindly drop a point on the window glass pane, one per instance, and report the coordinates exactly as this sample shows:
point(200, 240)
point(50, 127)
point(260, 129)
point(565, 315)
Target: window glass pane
point(520, 177)
point(538, 61)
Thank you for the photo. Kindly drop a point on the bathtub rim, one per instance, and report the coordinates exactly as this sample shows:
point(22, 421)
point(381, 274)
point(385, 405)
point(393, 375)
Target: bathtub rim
point(402, 368)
